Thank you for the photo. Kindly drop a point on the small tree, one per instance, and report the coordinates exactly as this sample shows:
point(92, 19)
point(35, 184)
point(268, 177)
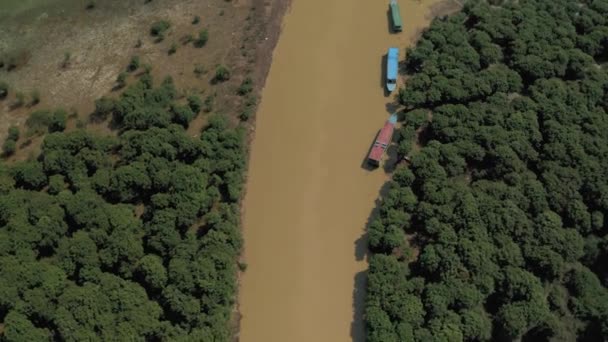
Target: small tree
point(13, 133)
point(134, 64)
point(246, 87)
point(159, 28)
point(222, 74)
point(195, 103)
point(203, 37)
point(121, 80)
point(58, 121)
point(9, 147)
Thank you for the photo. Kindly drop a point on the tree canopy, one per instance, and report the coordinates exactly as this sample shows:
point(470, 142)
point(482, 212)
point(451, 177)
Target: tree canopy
point(128, 238)
point(496, 229)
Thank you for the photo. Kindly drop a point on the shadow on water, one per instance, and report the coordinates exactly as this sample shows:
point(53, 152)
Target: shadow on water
point(357, 327)
point(383, 61)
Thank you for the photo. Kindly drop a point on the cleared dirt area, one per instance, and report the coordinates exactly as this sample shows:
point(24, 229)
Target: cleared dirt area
point(73, 56)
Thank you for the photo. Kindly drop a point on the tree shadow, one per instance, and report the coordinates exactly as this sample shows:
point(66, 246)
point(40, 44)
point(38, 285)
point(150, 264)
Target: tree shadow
point(357, 327)
point(383, 61)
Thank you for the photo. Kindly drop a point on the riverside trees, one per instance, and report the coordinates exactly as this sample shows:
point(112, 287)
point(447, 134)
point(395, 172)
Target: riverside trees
point(505, 206)
point(126, 238)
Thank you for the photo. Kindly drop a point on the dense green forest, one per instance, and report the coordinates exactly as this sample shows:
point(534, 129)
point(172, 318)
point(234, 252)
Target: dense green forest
point(498, 228)
point(131, 237)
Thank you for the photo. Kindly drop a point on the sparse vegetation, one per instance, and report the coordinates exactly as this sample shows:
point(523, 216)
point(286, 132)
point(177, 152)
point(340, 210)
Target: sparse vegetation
point(203, 37)
point(196, 20)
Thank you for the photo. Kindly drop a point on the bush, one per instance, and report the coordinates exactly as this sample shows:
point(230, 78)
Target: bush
point(222, 74)
point(203, 37)
point(103, 107)
point(159, 28)
point(13, 133)
point(38, 122)
point(246, 114)
point(3, 90)
point(195, 103)
point(9, 147)
point(58, 121)
point(121, 80)
point(182, 115)
point(196, 20)
point(90, 5)
point(246, 87)
point(208, 107)
point(134, 64)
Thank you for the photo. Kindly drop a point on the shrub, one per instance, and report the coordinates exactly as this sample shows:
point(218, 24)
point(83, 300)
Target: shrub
point(182, 115)
point(172, 49)
point(58, 121)
point(196, 20)
point(208, 107)
point(13, 133)
point(9, 147)
point(121, 80)
point(203, 37)
point(90, 5)
point(134, 64)
point(38, 122)
point(159, 28)
point(246, 114)
point(246, 87)
point(3, 90)
point(195, 103)
point(35, 97)
point(222, 74)
point(139, 43)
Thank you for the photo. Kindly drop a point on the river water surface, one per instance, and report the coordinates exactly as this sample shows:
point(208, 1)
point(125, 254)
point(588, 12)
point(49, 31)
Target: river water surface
point(308, 198)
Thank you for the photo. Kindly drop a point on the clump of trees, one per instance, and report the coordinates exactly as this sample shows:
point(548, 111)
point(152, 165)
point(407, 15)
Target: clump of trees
point(79, 262)
point(497, 230)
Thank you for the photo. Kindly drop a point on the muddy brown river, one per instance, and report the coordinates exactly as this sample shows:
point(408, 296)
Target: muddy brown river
point(308, 197)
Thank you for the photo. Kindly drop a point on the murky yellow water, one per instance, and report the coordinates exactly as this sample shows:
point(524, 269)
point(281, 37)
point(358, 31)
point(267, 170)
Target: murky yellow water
point(308, 198)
